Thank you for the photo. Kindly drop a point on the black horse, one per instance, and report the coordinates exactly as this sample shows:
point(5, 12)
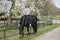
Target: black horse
point(27, 21)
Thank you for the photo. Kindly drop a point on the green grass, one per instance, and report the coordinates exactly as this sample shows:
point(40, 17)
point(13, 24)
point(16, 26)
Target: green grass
point(2, 27)
point(41, 31)
point(9, 33)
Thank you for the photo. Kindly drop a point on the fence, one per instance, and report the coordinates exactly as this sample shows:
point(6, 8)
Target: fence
point(43, 23)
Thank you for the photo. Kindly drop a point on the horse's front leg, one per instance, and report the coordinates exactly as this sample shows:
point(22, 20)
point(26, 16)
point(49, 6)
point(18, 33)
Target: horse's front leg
point(21, 31)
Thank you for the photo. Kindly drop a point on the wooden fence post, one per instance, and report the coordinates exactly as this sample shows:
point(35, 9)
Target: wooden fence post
point(4, 34)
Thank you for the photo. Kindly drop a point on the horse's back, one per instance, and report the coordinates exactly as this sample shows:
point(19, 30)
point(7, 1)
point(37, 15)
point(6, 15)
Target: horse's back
point(28, 19)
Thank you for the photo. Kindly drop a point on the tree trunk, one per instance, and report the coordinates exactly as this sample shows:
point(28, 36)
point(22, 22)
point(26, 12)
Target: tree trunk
point(8, 19)
point(9, 16)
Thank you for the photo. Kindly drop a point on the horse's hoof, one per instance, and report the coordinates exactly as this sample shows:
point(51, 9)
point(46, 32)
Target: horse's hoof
point(35, 32)
point(21, 36)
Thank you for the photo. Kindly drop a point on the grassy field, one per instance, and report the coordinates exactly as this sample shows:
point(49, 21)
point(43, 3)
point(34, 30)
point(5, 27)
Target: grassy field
point(13, 34)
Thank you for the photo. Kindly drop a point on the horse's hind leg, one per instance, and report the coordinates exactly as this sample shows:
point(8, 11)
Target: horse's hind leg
point(28, 30)
point(35, 28)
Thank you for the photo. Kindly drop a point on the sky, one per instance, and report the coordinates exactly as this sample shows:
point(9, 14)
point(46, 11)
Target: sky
point(57, 3)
